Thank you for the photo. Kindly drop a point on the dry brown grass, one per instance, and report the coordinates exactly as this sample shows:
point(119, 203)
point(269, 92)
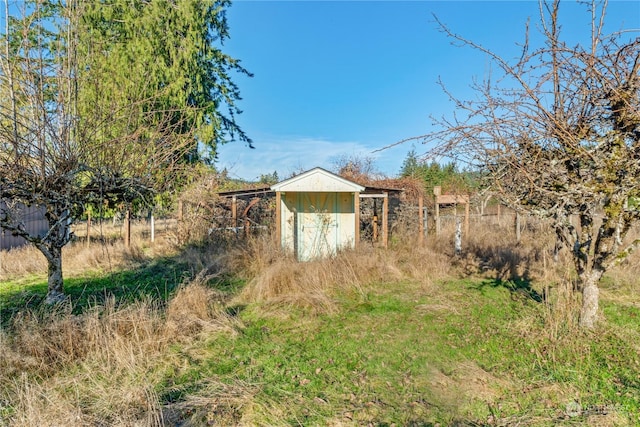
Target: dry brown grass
point(106, 252)
point(214, 403)
point(622, 286)
point(492, 251)
point(276, 278)
point(101, 367)
point(197, 308)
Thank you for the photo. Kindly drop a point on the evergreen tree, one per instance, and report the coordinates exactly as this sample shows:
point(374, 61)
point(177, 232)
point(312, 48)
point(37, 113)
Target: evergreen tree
point(166, 56)
point(411, 166)
point(269, 178)
point(103, 101)
point(449, 177)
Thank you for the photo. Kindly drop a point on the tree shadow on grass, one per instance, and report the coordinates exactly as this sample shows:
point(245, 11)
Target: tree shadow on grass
point(423, 423)
point(518, 287)
point(509, 268)
point(155, 279)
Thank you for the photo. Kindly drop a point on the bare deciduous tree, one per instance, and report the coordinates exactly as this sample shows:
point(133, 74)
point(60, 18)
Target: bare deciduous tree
point(52, 156)
point(558, 135)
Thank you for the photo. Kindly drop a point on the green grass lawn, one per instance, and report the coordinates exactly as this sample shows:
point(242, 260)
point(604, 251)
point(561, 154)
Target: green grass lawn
point(461, 352)
point(155, 279)
point(465, 353)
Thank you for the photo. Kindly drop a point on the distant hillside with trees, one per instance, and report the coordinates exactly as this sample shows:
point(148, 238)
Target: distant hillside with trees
point(448, 176)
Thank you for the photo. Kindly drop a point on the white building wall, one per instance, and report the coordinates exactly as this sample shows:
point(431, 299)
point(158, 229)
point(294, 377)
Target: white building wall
point(315, 231)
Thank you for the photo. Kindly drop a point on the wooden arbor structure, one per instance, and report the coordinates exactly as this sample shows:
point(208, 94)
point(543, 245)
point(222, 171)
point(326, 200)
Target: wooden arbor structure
point(251, 197)
point(451, 199)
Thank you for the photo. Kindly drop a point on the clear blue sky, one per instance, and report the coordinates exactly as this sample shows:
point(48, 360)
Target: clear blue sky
point(344, 78)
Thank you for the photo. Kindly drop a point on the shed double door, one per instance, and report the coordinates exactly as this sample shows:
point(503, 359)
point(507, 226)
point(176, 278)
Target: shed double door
point(317, 225)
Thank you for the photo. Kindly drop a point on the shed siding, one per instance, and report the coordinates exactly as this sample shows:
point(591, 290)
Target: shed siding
point(317, 213)
point(288, 223)
point(317, 224)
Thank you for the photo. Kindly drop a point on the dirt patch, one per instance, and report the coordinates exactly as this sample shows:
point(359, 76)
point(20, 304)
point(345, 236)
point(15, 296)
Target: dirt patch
point(476, 383)
point(466, 391)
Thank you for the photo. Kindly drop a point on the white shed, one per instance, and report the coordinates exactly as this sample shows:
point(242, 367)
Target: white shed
point(317, 213)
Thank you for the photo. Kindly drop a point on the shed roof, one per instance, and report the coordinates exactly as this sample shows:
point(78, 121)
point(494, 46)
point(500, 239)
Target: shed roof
point(318, 180)
point(266, 191)
point(248, 192)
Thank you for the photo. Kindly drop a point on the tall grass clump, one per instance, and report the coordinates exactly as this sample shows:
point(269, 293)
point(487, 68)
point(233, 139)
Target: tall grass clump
point(275, 277)
point(104, 366)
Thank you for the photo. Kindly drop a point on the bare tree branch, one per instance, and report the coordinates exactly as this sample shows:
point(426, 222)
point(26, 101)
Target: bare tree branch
point(557, 134)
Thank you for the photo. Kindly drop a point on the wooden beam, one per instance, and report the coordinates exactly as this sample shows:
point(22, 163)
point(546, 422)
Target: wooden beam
point(374, 221)
point(234, 212)
point(452, 199)
point(278, 230)
point(372, 195)
point(437, 217)
point(356, 208)
point(385, 221)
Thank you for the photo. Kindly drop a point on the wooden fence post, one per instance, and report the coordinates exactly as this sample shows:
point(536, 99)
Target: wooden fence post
point(153, 227)
point(278, 233)
point(234, 213)
point(436, 191)
point(127, 228)
point(356, 211)
point(88, 228)
point(374, 225)
point(385, 219)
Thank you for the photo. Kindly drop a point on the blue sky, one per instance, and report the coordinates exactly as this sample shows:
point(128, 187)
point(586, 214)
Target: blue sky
point(345, 78)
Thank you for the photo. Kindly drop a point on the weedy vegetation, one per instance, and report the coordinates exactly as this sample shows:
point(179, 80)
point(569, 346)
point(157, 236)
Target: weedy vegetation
point(233, 332)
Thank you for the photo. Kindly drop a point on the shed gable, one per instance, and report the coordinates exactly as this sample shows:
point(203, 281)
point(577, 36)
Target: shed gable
point(318, 180)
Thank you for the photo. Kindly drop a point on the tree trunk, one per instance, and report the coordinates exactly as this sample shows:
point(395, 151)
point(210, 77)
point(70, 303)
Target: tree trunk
point(590, 296)
point(55, 292)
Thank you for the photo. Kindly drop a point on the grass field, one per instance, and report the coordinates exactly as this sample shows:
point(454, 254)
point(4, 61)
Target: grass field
point(198, 336)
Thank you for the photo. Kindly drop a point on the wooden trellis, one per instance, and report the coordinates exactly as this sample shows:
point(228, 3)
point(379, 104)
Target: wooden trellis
point(451, 199)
